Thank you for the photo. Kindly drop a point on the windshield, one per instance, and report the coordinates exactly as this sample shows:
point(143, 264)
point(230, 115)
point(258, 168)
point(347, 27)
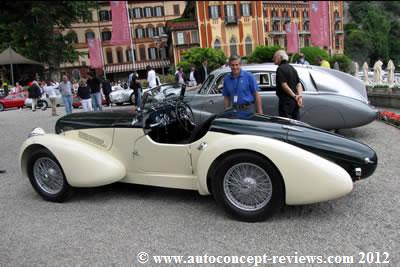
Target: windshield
point(206, 84)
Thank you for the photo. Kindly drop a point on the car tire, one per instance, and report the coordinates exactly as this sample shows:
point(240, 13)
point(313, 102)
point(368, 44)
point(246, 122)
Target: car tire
point(248, 186)
point(47, 177)
point(42, 104)
point(132, 99)
point(1, 107)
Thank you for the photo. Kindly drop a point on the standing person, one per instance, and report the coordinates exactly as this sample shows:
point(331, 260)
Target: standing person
point(106, 86)
point(302, 60)
point(94, 84)
point(137, 90)
point(50, 88)
point(202, 72)
point(18, 88)
point(180, 77)
point(34, 93)
point(151, 77)
point(322, 62)
point(288, 87)
point(241, 89)
point(84, 94)
point(66, 92)
point(192, 78)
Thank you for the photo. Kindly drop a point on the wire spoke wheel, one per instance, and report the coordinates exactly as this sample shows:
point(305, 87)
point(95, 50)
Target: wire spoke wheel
point(48, 175)
point(247, 186)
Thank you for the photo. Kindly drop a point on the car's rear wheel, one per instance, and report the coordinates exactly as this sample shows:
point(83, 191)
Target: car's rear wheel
point(132, 98)
point(248, 186)
point(47, 177)
point(1, 107)
point(42, 104)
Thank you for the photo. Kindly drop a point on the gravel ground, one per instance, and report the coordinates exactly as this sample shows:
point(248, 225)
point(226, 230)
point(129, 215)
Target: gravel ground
point(112, 224)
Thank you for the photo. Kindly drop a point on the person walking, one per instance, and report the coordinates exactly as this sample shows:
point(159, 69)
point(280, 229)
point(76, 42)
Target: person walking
point(34, 93)
point(302, 60)
point(151, 77)
point(50, 88)
point(192, 78)
point(137, 90)
point(106, 87)
point(202, 72)
point(288, 87)
point(94, 84)
point(180, 77)
point(84, 94)
point(240, 89)
point(66, 92)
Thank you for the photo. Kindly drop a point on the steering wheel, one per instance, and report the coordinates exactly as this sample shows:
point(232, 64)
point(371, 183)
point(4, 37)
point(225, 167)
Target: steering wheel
point(184, 115)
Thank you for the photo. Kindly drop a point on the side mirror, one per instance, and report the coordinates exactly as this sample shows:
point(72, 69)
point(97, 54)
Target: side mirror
point(183, 90)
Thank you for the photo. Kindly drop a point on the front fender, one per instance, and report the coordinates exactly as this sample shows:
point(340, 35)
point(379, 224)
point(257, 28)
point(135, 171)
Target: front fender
point(83, 164)
point(307, 177)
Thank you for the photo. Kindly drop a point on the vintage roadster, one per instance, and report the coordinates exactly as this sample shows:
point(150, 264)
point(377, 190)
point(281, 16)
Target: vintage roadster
point(252, 164)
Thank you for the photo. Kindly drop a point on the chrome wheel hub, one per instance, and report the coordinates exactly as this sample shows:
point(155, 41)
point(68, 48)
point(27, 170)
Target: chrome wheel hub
point(247, 186)
point(48, 175)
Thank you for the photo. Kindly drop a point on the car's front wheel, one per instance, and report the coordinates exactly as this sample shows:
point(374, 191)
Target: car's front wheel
point(1, 107)
point(47, 177)
point(248, 186)
point(42, 104)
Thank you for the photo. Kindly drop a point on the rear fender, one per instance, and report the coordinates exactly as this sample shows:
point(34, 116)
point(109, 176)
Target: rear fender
point(83, 164)
point(307, 177)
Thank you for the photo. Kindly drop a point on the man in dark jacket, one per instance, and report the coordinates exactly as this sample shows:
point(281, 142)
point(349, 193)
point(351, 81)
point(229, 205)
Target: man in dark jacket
point(35, 93)
point(94, 84)
point(106, 86)
point(202, 72)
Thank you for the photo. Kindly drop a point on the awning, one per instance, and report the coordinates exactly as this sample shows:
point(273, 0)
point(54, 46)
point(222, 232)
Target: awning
point(126, 67)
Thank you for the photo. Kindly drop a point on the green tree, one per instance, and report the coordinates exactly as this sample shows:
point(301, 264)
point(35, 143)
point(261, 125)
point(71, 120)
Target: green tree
point(263, 54)
point(343, 61)
point(311, 53)
point(358, 45)
point(196, 55)
point(29, 28)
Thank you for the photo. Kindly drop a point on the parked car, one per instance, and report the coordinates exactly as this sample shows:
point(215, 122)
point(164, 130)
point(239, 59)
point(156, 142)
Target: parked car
point(13, 101)
point(120, 96)
point(44, 102)
point(252, 164)
point(76, 101)
point(332, 99)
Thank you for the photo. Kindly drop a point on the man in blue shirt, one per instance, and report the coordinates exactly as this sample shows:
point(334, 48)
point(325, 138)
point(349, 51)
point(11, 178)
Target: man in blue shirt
point(241, 89)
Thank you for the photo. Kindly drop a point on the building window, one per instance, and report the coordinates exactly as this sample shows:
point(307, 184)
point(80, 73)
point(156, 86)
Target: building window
point(163, 53)
point(72, 37)
point(295, 13)
point(153, 53)
point(119, 55)
point(88, 17)
point(159, 12)
point(230, 11)
point(161, 30)
point(337, 26)
point(150, 31)
point(306, 27)
point(275, 27)
point(274, 13)
point(276, 41)
point(109, 56)
point(89, 35)
point(139, 33)
point(105, 15)
point(337, 43)
point(246, 10)
point(106, 36)
point(305, 14)
point(285, 13)
point(248, 45)
point(233, 46)
point(176, 10)
point(214, 12)
point(180, 39)
point(142, 52)
point(129, 54)
point(137, 13)
point(217, 44)
point(148, 12)
point(306, 42)
point(195, 37)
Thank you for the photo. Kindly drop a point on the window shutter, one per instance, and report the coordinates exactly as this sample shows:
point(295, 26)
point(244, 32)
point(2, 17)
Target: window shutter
point(241, 9)
point(220, 12)
point(234, 11)
point(154, 11)
point(225, 11)
point(251, 5)
point(209, 12)
point(162, 11)
point(141, 12)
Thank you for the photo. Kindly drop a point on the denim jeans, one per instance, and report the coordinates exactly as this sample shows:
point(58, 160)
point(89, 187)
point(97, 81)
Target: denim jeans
point(138, 97)
point(67, 99)
point(96, 101)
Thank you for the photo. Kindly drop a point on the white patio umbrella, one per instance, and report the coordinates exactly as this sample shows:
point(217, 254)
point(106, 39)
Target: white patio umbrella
point(390, 69)
point(365, 73)
point(378, 72)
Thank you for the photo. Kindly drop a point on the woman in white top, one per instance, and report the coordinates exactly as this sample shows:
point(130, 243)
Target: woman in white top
point(50, 89)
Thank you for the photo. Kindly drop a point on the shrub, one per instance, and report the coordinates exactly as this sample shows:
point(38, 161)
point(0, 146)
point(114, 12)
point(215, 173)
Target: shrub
point(343, 60)
point(263, 54)
point(312, 52)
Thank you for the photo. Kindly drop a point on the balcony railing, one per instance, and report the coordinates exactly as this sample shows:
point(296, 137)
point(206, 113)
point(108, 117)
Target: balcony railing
point(305, 32)
point(277, 33)
point(338, 19)
point(276, 18)
point(339, 32)
point(231, 20)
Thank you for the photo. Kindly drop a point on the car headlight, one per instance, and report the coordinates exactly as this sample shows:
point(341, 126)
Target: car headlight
point(37, 131)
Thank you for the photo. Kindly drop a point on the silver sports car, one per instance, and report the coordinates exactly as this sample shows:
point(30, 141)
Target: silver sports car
point(332, 99)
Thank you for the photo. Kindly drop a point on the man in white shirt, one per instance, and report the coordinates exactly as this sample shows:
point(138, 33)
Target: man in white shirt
point(50, 89)
point(151, 77)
